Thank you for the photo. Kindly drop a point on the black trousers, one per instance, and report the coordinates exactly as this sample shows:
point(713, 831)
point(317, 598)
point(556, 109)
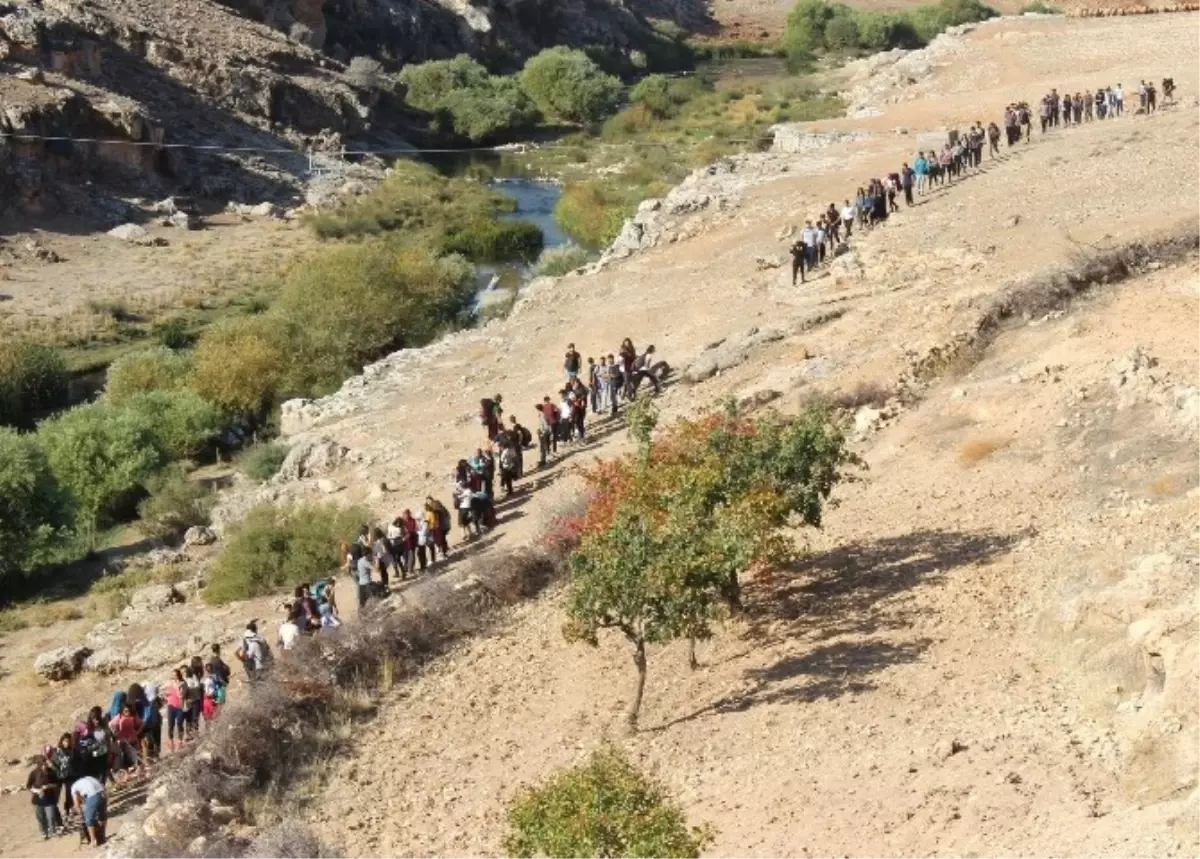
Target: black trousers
point(908, 194)
point(797, 266)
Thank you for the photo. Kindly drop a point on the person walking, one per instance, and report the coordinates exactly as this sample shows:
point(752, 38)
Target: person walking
point(616, 380)
point(44, 789)
point(798, 256)
point(571, 362)
point(907, 175)
point(89, 795)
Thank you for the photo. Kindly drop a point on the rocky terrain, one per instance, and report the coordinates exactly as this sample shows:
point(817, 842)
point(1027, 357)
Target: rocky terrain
point(991, 646)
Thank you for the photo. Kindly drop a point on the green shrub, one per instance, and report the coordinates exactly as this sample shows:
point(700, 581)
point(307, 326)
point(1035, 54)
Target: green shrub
point(33, 381)
point(242, 364)
point(841, 31)
point(602, 808)
point(555, 262)
point(654, 93)
point(491, 240)
point(465, 99)
point(567, 85)
point(1037, 7)
point(182, 422)
point(175, 504)
point(593, 212)
point(261, 462)
point(33, 509)
point(634, 121)
point(155, 369)
point(355, 302)
point(99, 454)
point(276, 547)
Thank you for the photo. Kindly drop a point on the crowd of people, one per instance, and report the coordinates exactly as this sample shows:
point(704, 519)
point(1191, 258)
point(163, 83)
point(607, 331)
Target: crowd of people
point(409, 545)
point(110, 746)
point(962, 153)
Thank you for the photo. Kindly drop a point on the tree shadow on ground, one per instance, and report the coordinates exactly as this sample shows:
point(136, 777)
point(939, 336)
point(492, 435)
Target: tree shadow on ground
point(849, 589)
point(851, 593)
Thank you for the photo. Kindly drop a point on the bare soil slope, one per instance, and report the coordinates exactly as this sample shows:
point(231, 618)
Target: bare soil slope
point(991, 647)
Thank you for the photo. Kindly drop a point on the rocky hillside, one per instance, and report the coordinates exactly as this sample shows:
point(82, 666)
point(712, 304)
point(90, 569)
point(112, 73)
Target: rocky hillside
point(279, 77)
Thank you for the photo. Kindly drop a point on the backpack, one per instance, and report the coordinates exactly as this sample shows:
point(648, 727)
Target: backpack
point(508, 459)
point(526, 437)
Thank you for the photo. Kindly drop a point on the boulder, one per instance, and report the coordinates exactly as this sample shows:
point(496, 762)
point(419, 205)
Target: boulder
point(178, 822)
point(265, 210)
point(156, 651)
point(106, 660)
point(62, 663)
point(199, 535)
point(130, 233)
point(152, 599)
point(182, 220)
point(310, 458)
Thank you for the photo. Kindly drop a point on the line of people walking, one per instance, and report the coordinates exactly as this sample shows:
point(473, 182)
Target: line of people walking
point(825, 237)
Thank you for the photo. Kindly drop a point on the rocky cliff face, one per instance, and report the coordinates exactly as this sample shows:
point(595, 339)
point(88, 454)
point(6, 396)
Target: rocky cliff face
point(280, 76)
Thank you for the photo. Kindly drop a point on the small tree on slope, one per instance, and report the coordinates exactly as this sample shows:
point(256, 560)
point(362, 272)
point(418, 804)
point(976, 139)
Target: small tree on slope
point(669, 531)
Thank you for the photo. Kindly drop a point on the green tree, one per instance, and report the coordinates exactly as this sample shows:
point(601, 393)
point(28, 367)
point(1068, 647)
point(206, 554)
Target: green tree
point(465, 99)
point(99, 454)
point(668, 531)
point(34, 512)
point(602, 808)
point(841, 31)
point(242, 364)
point(181, 422)
point(567, 85)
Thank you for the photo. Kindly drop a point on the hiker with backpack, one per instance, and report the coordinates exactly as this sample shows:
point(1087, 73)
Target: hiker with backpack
point(547, 431)
point(572, 363)
point(490, 412)
point(254, 652)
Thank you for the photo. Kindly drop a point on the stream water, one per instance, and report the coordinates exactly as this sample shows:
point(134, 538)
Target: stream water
point(535, 204)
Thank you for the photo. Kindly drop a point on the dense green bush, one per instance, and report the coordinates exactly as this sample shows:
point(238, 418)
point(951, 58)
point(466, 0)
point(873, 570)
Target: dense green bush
point(100, 455)
point(355, 302)
point(274, 547)
point(593, 212)
point(155, 369)
point(175, 504)
point(34, 511)
point(492, 240)
point(182, 422)
point(821, 25)
point(663, 96)
point(567, 85)
point(261, 462)
point(33, 381)
point(242, 364)
point(465, 99)
point(602, 808)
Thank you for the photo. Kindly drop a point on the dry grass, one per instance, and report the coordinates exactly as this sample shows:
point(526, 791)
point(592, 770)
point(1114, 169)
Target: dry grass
point(976, 450)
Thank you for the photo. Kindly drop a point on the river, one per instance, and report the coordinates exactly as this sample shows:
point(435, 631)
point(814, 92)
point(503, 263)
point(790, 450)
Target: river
point(535, 204)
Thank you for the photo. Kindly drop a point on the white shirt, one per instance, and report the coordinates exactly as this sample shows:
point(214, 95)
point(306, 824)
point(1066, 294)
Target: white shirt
point(848, 212)
point(422, 532)
point(86, 787)
point(394, 532)
point(809, 236)
point(564, 410)
point(820, 237)
point(1119, 94)
point(289, 634)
